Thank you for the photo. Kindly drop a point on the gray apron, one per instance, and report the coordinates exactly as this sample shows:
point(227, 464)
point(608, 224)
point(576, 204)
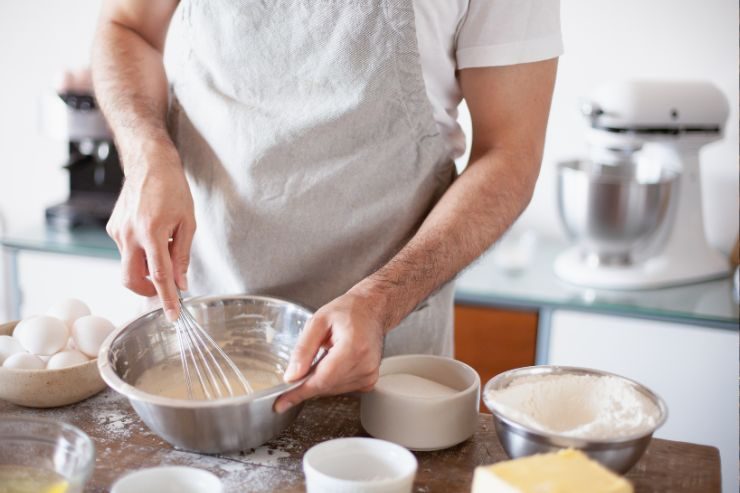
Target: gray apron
point(310, 148)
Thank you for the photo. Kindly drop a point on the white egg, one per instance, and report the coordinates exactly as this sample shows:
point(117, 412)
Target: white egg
point(9, 345)
point(24, 361)
point(63, 359)
point(69, 310)
point(89, 333)
point(41, 335)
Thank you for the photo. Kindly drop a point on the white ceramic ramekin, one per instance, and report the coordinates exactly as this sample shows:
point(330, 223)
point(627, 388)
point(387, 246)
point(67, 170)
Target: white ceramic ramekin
point(169, 479)
point(359, 465)
point(424, 423)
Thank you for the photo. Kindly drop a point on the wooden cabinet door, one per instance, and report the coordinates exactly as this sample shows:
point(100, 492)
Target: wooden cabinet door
point(494, 340)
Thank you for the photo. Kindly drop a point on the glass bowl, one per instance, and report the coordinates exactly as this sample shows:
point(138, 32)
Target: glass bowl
point(38, 453)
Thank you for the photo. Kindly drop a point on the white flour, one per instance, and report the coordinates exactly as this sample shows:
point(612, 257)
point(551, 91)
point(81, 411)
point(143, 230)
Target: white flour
point(582, 406)
point(253, 471)
point(412, 386)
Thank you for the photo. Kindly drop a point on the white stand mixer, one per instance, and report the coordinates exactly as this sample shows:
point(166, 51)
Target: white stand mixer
point(668, 122)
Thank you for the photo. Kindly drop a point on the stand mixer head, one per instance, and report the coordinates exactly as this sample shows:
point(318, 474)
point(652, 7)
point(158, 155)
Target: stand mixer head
point(634, 207)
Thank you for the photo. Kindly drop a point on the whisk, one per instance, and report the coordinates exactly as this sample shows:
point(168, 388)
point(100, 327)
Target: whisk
point(201, 355)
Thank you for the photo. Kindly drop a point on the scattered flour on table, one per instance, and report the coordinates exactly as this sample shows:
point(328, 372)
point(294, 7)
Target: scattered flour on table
point(117, 424)
point(236, 471)
point(261, 456)
point(582, 406)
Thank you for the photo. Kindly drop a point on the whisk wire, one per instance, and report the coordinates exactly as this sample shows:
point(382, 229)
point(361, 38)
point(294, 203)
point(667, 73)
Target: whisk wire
point(198, 362)
point(202, 355)
point(199, 343)
point(229, 362)
point(183, 361)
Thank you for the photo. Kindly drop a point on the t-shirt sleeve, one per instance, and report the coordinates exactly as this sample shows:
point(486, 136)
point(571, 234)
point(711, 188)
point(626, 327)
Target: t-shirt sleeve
point(508, 32)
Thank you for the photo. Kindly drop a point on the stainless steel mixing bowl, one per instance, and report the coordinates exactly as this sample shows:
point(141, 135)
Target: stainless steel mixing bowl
point(613, 216)
point(520, 440)
point(262, 329)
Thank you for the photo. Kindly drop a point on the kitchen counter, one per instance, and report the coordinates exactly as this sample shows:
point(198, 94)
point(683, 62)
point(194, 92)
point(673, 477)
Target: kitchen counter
point(124, 444)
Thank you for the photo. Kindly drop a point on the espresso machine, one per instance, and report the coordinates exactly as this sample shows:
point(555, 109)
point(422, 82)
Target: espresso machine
point(633, 206)
point(95, 175)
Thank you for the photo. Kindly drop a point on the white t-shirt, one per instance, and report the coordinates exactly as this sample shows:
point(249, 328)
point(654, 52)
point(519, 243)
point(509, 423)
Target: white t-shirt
point(458, 34)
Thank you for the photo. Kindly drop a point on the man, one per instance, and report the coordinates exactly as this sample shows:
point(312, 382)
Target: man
point(313, 142)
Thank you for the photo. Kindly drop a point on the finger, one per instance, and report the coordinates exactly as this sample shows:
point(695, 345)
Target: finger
point(134, 271)
point(310, 340)
point(322, 382)
point(315, 387)
point(371, 380)
point(180, 253)
point(113, 234)
point(160, 272)
point(295, 397)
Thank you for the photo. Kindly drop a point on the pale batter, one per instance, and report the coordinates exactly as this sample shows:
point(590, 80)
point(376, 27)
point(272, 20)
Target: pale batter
point(167, 379)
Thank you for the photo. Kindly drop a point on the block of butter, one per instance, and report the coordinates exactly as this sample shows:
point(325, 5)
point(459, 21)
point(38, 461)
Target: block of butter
point(567, 471)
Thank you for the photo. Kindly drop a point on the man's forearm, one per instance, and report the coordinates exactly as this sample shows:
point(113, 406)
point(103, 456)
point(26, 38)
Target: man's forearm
point(131, 87)
point(509, 107)
point(474, 212)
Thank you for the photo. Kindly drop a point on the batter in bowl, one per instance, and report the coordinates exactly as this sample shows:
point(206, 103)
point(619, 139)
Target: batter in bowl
point(167, 379)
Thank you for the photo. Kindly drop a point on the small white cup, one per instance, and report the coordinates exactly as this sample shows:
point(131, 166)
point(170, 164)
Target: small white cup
point(359, 465)
point(169, 479)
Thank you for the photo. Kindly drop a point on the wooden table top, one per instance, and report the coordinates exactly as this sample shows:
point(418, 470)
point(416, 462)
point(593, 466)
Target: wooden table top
point(125, 444)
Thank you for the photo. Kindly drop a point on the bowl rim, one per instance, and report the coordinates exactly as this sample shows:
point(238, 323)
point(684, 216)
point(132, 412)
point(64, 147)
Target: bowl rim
point(40, 371)
point(86, 470)
point(473, 387)
point(136, 476)
point(511, 375)
point(111, 378)
point(376, 443)
point(575, 166)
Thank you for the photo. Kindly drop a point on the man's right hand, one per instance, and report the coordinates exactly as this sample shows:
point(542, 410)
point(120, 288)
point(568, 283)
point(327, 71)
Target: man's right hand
point(155, 205)
point(153, 224)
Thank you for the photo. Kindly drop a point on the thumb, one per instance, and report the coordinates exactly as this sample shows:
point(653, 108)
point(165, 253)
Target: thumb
point(309, 342)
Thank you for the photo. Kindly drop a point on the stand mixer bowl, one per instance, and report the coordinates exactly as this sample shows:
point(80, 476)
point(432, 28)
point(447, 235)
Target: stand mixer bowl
point(614, 216)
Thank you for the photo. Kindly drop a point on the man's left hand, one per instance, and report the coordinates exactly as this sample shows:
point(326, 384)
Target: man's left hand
point(350, 329)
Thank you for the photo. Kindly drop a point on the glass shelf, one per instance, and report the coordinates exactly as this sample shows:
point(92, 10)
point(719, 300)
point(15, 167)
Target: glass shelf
point(704, 303)
point(91, 242)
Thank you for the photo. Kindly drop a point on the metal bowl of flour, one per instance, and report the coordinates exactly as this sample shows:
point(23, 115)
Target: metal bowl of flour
point(520, 439)
point(259, 329)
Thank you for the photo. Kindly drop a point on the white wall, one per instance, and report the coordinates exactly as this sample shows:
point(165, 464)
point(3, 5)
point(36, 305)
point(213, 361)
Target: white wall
point(38, 38)
point(94, 280)
point(606, 40)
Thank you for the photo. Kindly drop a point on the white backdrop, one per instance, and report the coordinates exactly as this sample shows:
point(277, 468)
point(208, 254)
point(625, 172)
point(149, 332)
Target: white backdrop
point(604, 40)
point(663, 39)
